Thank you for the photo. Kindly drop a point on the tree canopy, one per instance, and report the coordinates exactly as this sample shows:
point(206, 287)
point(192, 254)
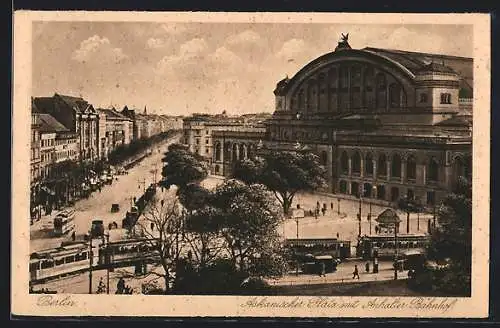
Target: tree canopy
point(284, 173)
point(452, 239)
point(183, 167)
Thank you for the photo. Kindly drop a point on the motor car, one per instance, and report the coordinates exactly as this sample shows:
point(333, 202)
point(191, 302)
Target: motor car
point(115, 208)
point(97, 228)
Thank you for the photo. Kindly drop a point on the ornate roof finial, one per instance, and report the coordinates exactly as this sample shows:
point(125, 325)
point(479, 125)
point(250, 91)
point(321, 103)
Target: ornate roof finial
point(343, 43)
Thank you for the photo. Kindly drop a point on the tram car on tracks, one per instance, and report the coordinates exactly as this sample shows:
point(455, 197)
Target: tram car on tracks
point(64, 222)
point(384, 245)
point(56, 262)
point(126, 251)
point(334, 247)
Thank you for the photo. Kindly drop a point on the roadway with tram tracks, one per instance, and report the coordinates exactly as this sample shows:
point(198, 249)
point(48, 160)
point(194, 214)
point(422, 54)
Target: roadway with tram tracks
point(98, 205)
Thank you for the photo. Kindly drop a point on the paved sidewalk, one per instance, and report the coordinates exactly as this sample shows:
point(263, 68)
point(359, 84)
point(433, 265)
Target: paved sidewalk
point(344, 274)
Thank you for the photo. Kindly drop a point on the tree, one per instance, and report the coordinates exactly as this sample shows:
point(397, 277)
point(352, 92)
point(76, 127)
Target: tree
point(284, 173)
point(161, 224)
point(409, 206)
point(232, 238)
point(452, 238)
point(193, 196)
point(183, 167)
point(248, 221)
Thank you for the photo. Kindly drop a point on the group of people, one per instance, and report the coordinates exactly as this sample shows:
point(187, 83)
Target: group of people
point(121, 288)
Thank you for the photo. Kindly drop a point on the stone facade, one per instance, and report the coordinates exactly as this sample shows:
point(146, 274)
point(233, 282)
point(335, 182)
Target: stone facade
point(203, 135)
point(385, 123)
point(78, 116)
point(35, 158)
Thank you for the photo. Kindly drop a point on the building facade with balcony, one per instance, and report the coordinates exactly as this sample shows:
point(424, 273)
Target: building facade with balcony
point(385, 123)
point(35, 146)
point(114, 130)
point(78, 116)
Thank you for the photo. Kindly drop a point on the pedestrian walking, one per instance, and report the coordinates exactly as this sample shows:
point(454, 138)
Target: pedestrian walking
point(73, 236)
point(338, 236)
point(331, 205)
point(120, 286)
point(367, 267)
point(101, 288)
point(323, 210)
point(355, 273)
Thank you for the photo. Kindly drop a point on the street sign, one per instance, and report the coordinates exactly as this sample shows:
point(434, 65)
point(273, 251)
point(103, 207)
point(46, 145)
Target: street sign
point(298, 213)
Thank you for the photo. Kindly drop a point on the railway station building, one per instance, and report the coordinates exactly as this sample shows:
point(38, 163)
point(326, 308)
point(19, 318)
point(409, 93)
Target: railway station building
point(385, 123)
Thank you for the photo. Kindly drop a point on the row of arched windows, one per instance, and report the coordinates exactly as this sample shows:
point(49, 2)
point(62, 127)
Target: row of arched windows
point(395, 166)
point(233, 152)
point(341, 88)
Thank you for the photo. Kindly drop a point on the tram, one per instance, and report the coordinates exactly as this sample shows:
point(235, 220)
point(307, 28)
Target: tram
point(128, 250)
point(64, 222)
point(383, 245)
point(320, 246)
point(55, 262)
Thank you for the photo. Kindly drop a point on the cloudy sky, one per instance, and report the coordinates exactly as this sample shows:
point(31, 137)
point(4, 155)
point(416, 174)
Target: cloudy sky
point(181, 68)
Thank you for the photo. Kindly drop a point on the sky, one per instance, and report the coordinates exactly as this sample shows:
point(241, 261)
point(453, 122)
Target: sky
point(185, 68)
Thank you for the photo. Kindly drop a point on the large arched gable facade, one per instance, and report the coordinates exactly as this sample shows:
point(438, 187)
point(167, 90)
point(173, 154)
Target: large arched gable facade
point(350, 81)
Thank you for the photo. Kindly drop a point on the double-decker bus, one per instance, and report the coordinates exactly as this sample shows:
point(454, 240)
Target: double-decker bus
point(64, 222)
point(384, 245)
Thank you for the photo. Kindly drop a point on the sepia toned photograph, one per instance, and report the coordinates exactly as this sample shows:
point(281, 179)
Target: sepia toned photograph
point(292, 165)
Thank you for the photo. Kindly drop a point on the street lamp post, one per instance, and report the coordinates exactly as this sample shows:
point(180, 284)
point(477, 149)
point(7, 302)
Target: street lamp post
point(434, 216)
point(338, 206)
point(107, 264)
point(91, 257)
point(359, 216)
point(297, 223)
point(396, 226)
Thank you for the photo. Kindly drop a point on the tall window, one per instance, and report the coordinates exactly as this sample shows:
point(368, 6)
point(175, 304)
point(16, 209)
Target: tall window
point(423, 97)
point(382, 165)
point(433, 169)
point(381, 90)
point(396, 166)
point(312, 97)
point(369, 164)
point(411, 168)
point(445, 98)
point(324, 157)
point(356, 163)
point(369, 83)
point(332, 77)
point(323, 93)
point(301, 99)
point(343, 187)
point(355, 87)
point(395, 95)
point(217, 152)
point(344, 163)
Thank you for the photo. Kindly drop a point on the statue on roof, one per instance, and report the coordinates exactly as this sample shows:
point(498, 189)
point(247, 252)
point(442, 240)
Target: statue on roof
point(343, 43)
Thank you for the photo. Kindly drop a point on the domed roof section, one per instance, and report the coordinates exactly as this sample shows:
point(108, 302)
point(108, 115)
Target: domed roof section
point(436, 68)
